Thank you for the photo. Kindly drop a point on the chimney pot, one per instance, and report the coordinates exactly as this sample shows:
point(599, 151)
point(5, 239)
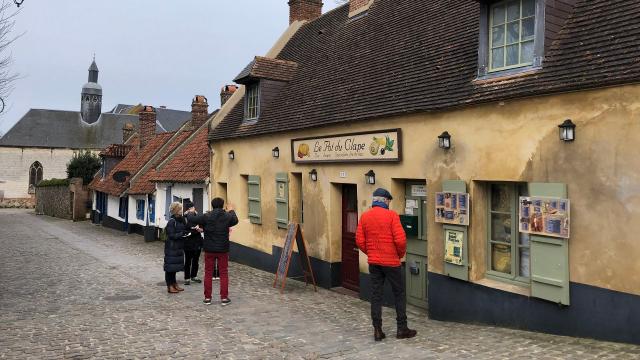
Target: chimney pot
point(199, 112)
point(226, 93)
point(304, 10)
point(147, 125)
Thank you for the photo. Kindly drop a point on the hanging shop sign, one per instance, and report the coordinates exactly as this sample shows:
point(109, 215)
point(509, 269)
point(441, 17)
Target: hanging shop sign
point(452, 208)
point(382, 145)
point(454, 241)
point(544, 216)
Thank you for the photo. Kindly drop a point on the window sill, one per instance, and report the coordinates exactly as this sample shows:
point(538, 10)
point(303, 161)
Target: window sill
point(495, 284)
point(506, 75)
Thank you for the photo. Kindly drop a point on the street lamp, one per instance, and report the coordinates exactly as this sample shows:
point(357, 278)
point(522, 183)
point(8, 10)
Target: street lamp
point(444, 140)
point(18, 2)
point(567, 130)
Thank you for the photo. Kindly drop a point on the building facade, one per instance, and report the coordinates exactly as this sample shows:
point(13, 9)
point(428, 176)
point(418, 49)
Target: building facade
point(460, 100)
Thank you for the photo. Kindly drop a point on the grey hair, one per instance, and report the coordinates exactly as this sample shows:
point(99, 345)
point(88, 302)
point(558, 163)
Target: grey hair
point(175, 208)
point(380, 199)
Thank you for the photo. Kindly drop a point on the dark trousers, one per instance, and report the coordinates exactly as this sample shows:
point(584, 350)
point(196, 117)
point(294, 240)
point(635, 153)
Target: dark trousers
point(394, 276)
point(170, 278)
point(191, 258)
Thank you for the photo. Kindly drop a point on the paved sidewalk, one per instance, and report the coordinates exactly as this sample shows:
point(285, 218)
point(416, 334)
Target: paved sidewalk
point(76, 290)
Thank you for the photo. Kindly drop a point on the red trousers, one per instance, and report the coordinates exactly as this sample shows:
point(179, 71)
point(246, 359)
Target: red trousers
point(223, 268)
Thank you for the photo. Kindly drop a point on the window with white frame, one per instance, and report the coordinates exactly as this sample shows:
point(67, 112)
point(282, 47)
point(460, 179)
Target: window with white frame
point(512, 34)
point(251, 102)
point(35, 176)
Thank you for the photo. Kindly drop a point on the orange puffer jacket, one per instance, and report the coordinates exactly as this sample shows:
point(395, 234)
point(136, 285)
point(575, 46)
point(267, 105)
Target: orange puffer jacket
point(381, 236)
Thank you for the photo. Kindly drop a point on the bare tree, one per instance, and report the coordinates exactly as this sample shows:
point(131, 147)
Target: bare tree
point(7, 77)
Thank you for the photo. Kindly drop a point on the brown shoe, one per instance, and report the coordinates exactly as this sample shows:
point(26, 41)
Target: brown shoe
point(172, 290)
point(175, 286)
point(406, 333)
point(378, 335)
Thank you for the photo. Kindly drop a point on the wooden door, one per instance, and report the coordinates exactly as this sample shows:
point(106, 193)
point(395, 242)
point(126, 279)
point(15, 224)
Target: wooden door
point(350, 255)
point(198, 201)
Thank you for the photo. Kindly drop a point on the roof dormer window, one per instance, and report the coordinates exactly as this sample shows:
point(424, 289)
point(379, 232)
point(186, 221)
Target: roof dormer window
point(512, 36)
point(252, 101)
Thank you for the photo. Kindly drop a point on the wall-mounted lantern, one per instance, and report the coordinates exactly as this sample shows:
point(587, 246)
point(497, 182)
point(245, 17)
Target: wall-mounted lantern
point(232, 155)
point(370, 177)
point(275, 152)
point(444, 140)
point(314, 175)
point(567, 130)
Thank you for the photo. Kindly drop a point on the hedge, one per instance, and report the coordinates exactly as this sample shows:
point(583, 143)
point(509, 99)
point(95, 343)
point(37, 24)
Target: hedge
point(53, 182)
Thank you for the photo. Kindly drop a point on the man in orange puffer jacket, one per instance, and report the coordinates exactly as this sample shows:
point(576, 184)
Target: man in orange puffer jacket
point(381, 237)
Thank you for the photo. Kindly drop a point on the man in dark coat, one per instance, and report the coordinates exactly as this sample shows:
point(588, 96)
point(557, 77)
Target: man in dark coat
point(192, 247)
point(174, 247)
point(216, 224)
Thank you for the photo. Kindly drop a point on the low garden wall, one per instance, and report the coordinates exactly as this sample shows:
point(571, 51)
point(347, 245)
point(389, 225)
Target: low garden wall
point(63, 198)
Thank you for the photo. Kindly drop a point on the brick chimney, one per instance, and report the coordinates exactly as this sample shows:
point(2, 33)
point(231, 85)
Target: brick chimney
point(301, 10)
point(199, 111)
point(127, 132)
point(147, 125)
point(226, 93)
point(358, 6)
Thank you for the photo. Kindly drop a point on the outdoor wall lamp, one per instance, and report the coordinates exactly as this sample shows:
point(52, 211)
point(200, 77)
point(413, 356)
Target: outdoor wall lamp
point(314, 175)
point(567, 130)
point(275, 152)
point(444, 140)
point(232, 155)
point(370, 177)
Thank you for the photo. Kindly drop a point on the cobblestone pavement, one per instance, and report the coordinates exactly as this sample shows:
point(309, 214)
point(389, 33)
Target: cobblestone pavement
point(76, 290)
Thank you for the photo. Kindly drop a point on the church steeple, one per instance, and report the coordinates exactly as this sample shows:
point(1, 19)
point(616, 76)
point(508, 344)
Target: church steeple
point(91, 101)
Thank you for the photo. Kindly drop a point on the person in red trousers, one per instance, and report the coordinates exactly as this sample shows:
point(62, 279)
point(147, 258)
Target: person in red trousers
point(381, 237)
point(216, 224)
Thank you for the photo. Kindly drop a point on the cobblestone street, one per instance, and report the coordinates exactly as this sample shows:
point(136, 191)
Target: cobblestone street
point(76, 290)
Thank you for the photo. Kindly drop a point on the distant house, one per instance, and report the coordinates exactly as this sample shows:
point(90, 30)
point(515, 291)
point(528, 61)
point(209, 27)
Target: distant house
point(41, 144)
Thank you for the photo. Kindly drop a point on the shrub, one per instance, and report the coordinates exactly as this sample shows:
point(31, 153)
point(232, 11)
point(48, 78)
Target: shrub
point(53, 182)
point(84, 164)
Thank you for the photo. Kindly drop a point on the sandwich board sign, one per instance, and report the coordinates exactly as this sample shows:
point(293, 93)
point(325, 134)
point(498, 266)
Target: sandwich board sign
point(294, 233)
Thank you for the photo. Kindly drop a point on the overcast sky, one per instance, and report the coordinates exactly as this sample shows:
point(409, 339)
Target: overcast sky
point(158, 52)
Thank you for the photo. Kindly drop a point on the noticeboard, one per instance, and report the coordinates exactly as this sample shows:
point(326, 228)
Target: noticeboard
point(545, 216)
point(294, 232)
point(452, 208)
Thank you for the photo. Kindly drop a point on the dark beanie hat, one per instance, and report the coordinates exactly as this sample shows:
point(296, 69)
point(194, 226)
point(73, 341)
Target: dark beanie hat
point(382, 193)
point(188, 204)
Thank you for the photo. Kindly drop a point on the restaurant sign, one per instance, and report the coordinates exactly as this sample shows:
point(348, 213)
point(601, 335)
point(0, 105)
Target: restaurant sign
point(382, 145)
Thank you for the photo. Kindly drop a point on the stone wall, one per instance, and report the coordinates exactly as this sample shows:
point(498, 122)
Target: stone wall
point(54, 201)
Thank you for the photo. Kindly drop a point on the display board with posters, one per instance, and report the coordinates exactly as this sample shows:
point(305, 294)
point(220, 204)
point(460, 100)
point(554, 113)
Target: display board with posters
point(454, 241)
point(544, 216)
point(452, 208)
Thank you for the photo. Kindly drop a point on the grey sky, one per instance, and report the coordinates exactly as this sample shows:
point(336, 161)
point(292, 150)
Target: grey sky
point(158, 52)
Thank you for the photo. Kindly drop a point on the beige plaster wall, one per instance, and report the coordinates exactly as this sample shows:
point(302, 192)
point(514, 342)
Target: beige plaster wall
point(510, 141)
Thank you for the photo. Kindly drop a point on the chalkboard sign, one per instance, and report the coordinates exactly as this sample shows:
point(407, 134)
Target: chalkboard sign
point(294, 232)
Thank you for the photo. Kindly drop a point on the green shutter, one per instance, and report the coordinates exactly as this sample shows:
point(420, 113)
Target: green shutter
point(549, 256)
point(255, 211)
point(457, 271)
point(282, 200)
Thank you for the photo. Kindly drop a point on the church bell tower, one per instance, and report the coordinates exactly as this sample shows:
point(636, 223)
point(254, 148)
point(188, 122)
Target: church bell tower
point(91, 102)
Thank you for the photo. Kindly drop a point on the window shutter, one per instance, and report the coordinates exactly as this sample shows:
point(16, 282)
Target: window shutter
point(549, 256)
point(456, 271)
point(282, 200)
point(255, 212)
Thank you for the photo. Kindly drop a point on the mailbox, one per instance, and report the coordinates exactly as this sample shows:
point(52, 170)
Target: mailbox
point(410, 225)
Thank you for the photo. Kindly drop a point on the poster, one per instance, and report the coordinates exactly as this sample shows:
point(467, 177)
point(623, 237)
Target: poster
point(452, 208)
point(453, 246)
point(544, 216)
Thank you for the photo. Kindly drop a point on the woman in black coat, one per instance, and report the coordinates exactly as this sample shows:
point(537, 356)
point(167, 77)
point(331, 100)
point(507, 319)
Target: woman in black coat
point(177, 231)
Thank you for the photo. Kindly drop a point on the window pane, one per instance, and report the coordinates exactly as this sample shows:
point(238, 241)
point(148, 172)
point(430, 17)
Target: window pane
point(513, 10)
point(498, 15)
point(525, 269)
point(501, 258)
point(501, 227)
point(528, 8)
point(497, 36)
point(528, 28)
point(500, 197)
point(497, 58)
point(513, 32)
point(512, 55)
point(526, 55)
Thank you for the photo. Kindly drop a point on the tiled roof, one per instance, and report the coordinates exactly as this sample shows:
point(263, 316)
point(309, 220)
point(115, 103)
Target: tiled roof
point(143, 184)
point(408, 56)
point(132, 163)
point(190, 164)
point(266, 68)
point(115, 150)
